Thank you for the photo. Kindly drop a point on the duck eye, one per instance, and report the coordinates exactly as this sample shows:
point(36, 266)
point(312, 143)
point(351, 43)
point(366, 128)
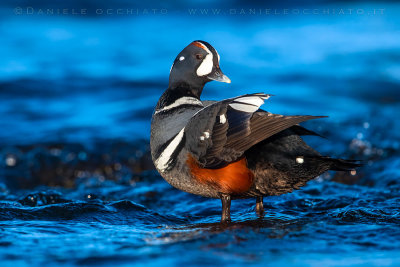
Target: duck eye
point(199, 56)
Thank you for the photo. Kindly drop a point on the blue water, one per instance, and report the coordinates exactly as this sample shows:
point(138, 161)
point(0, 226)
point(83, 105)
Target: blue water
point(77, 186)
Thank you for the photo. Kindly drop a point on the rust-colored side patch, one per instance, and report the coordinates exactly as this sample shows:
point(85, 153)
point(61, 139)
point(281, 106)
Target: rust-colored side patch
point(234, 178)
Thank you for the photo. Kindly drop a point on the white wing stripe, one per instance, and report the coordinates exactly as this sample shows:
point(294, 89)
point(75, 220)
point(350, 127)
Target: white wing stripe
point(244, 107)
point(253, 100)
point(248, 103)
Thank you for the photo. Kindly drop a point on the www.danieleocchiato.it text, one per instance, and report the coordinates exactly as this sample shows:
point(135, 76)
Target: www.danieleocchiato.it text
point(196, 11)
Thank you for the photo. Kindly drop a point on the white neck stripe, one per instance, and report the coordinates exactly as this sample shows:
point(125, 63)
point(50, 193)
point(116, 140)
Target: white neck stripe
point(186, 100)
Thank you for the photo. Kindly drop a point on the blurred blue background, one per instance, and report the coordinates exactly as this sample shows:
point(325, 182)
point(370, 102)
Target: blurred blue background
point(78, 84)
point(97, 71)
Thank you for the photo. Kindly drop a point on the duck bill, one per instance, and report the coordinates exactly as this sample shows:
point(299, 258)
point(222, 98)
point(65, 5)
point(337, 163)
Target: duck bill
point(219, 76)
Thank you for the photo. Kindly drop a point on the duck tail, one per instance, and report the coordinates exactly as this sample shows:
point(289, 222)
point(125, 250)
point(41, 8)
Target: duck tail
point(342, 164)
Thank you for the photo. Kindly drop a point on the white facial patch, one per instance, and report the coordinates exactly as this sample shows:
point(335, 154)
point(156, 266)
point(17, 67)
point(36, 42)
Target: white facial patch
point(300, 160)
point(165, 157)
point(249, 103)
point(186, 100)
point(207, 64)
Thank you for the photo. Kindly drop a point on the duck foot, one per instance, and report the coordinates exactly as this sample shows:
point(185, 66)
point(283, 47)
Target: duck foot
point(260, 207)
point(226, 208)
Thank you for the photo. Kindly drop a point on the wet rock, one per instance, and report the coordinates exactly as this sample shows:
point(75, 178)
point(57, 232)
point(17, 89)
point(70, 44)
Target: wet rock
point(67, 165)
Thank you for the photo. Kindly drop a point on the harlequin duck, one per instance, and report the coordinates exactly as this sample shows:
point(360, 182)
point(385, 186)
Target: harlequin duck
point(228, 149)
